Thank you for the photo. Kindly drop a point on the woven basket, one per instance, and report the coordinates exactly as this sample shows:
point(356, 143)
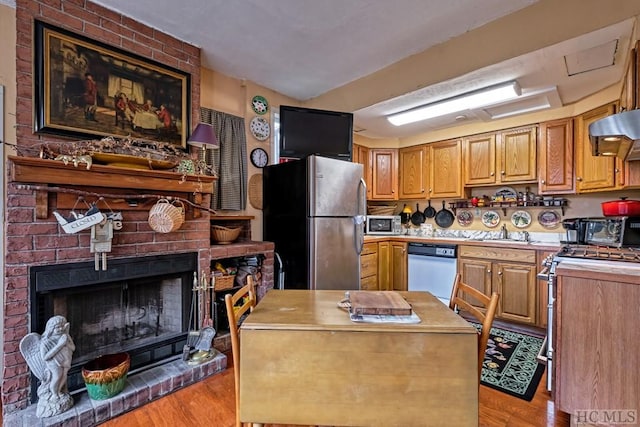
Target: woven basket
point(223, 282)
point(165, 217)
point(223, 235)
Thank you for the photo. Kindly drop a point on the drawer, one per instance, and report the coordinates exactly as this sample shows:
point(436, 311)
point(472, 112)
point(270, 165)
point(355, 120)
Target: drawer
point(497, 254)
point(369, 248)
point(369, 283)
point(369, 265)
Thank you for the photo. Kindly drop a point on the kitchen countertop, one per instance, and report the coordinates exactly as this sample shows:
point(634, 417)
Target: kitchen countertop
point(540, 246)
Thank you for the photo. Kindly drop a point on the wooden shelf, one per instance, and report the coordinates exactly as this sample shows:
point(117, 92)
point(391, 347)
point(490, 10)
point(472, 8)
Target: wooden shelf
point(549, 204)
point(232, 217)
point(35, 170)
point(32, 170)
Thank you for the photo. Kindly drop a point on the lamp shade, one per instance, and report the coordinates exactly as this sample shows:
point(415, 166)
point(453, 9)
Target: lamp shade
point(203, 136)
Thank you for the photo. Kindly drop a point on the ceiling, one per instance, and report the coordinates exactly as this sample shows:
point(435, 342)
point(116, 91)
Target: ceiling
point(320, 53)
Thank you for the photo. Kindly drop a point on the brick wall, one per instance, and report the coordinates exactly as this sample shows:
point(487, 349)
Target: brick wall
point(31, 241)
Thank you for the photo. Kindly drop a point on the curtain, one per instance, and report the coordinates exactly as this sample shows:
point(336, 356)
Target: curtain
point(229, 161)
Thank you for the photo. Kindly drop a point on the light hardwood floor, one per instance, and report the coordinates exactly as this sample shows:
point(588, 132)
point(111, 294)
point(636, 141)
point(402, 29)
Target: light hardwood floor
point(211, 403)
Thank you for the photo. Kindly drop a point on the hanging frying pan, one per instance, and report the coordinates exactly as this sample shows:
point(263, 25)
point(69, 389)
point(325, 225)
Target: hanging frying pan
point(430, 211)
point(417, 217)
point(444, 217)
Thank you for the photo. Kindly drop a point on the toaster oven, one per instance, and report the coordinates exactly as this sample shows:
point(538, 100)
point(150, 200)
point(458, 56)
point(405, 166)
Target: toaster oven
point(620, 231)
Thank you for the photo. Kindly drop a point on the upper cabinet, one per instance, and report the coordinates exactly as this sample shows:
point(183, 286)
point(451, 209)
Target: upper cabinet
point(555, 154)
point(414, 172)
point(384, 174)
point(361, 155)
point(595, 173)
point(445, 169)
point(503, 157)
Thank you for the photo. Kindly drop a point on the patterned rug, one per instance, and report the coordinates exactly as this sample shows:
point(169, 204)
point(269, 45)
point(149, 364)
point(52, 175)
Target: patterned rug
point(510, 363)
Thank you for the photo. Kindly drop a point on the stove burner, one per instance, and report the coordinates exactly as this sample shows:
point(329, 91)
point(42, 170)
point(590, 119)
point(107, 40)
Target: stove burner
point(600, 252)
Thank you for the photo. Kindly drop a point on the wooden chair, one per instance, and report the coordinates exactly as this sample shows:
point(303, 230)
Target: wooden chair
point(460, 290)
point(233, 316)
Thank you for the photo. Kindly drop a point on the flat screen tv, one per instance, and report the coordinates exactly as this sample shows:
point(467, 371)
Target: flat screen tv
point(306, 131)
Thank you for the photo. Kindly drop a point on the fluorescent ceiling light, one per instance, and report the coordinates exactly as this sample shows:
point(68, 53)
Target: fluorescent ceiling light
point(479, 98)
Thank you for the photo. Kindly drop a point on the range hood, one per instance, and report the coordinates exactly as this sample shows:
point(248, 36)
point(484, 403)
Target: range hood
point(617, 135)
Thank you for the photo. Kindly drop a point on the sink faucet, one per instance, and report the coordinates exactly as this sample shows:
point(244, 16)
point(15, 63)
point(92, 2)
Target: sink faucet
point(525, 236)
point(504, 234)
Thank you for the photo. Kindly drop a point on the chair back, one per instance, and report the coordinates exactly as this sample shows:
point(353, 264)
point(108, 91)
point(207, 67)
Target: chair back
point(247, 298)
point(485, 318)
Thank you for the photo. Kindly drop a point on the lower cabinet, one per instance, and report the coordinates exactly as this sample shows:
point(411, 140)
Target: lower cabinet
point(369, 267)
point(513, 277)
point(383, 266)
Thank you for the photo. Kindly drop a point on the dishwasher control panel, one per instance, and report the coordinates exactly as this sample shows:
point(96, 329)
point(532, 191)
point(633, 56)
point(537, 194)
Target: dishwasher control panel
point(430, 249)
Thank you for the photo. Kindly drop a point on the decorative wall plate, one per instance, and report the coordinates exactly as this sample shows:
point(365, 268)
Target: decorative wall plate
point(259, 104)
point(549, 219)
point(521, 219)
point(465, 218)
point(260, 128)
point(491, 219)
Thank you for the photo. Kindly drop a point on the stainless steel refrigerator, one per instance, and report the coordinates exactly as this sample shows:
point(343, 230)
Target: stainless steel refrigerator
point(313, 210)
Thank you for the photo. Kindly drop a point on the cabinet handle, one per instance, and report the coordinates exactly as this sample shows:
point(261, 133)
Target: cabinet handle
point(491, 174)
point(422, 191)
point(489, 271)
point(616, 170)
point(430, 190)
point(543, 182)
point(502, 172)
point(578, 178)
point(499, 273)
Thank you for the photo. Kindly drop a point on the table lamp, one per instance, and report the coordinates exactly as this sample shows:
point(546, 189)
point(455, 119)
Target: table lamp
point(204, 138)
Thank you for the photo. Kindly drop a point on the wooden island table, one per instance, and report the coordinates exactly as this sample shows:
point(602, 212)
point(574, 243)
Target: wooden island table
point(303, 361)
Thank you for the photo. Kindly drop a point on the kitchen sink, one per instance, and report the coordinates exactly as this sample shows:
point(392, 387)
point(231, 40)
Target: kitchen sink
point(520, 242)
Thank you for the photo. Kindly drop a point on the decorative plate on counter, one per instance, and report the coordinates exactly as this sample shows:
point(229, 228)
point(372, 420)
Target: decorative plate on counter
point(521, 219)
point(491, 219)
point(549, 219)
point(260, 128)
point(465, 218)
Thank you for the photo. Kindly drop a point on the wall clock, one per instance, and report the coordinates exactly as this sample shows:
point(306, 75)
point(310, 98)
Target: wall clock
point(259, 157)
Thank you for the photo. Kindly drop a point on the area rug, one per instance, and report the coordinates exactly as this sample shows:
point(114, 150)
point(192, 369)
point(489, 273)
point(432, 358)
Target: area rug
point(510, 363)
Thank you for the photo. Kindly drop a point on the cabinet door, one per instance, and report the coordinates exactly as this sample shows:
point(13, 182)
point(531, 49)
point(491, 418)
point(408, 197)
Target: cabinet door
point(518, 155)
point(593, 173)
point(361, 155)
point(477, 274)
point(414, 165)
point(445, 164)
point(384, 266)
point(399, 266)
point(516, 285)
point(555, 152)
point(479, 153)
point(384, 178)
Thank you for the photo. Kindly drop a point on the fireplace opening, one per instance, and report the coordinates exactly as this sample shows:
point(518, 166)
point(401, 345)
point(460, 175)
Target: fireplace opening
point(139, 305)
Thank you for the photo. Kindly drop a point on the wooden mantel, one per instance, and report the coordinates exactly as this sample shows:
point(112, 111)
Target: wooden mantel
point(31, 170)
point(41, 171)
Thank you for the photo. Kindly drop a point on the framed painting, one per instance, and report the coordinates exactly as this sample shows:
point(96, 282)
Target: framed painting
point(84, 88)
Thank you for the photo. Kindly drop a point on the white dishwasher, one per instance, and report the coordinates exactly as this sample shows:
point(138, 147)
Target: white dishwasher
point(432, 268)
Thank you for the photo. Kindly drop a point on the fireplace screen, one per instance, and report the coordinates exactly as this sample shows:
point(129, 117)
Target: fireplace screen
point(139, 305)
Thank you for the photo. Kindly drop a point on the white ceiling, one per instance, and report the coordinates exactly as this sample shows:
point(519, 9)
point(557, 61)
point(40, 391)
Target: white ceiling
point(307, 48)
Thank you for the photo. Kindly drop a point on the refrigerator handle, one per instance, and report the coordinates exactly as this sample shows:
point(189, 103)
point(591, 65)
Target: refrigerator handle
point(278, 260)
point(363, 197)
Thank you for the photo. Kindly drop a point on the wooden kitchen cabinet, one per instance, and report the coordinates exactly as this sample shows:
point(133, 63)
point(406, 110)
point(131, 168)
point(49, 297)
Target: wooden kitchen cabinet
point(445, 169)
point(384, 266)
point(507, 156)
point(414, 172)
point(361, 155)
point(384, 174)
point(510, 272)
point(369, 267)
point(596, 337)
point(555, 154)
point(398, 266)
point(595, 173)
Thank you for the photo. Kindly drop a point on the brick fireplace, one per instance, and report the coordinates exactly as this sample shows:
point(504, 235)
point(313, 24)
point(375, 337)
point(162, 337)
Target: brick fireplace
point(33, 238)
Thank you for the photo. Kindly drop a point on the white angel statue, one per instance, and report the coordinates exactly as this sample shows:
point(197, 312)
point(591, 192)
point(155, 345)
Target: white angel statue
point(49, 357)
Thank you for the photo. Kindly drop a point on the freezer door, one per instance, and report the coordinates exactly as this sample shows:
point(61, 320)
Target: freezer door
point(333, 258)
point(334, 187)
